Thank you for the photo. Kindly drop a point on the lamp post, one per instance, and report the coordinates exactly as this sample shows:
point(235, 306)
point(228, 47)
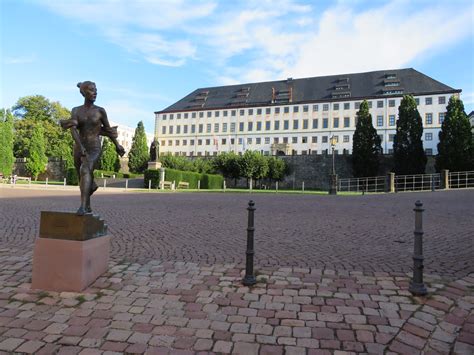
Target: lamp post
point(333, 187)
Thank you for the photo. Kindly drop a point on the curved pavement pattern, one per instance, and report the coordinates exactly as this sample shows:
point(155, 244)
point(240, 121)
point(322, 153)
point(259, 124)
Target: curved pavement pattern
point(369, 233)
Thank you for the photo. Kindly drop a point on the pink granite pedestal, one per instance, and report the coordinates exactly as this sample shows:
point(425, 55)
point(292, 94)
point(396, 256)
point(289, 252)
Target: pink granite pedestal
point(69, 265)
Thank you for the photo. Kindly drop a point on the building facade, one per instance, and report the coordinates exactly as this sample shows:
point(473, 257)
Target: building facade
point(298, 116)
point(125, 136)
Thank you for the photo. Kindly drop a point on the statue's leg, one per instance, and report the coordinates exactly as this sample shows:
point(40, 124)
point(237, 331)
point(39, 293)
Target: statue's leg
point(77, 165)
point(85, 185)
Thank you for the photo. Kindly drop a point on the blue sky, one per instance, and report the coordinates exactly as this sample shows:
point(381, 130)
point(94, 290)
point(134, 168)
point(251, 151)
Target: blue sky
point(145, 55)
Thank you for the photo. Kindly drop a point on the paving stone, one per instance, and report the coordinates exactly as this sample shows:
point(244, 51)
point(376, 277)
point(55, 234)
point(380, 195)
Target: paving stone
point(29, 347)
point(294, 350)
point(10, 344)
point(118, 335)
point(411, 339)
point(162, 340)
point(203, 345)
point(91, 343)
point(307, 343)
point(323, 333)
point(224, 347)
point(302, 332)
point(245, 348)
point(271, 350)
point(240, 328)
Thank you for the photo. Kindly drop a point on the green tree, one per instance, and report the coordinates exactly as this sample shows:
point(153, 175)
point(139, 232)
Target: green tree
point(30, 111)
point(456, 146)
point(276, 169)
point(6, 142)
point(109, 160)
point(177, 162)
point(261, 167)
point(138, 156)
point(365, 144)
point(37, 159)
point(227, 163)
point(409, 156)
point(203, 166)
point(252, 165)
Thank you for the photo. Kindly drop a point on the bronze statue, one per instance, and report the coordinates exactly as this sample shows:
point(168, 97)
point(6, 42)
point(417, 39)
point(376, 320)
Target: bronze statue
point(154, 150)
point(87, 123)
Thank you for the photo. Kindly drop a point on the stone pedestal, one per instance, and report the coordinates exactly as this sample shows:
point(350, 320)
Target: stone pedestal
point(70, 253)
point(390, 183)
point(154, 165)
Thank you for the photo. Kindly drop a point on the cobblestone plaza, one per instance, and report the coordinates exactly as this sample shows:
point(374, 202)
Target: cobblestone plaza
point(333, 276)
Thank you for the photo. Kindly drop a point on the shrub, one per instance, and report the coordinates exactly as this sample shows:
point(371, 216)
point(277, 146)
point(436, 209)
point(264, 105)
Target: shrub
point(154, 176)
point(174, 175)
point(71, 177)
point(210, 181)
point(192, 178)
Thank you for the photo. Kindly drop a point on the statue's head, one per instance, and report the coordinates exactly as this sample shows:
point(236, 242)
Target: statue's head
point(88, 90)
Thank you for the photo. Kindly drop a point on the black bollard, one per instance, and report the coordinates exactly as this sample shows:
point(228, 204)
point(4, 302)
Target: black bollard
point(417, 287)
point(249, 279)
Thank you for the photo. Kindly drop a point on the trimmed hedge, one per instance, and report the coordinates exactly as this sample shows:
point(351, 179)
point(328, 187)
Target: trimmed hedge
point(208, 181)
point(118, 175)
point(154, 176)
point(71, 177)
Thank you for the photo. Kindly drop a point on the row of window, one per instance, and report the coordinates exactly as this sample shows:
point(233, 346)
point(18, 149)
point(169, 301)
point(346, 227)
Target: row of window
point(428, 151)
point(266, 140)
point(286, 109)
point(267, 125)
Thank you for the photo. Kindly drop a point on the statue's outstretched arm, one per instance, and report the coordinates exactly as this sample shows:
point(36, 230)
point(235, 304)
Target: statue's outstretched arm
point(110, 132)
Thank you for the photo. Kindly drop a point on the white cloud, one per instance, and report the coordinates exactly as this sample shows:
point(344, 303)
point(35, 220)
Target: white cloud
point(467, 98)
point(23, 59)
point(140, 26)
point(153, 47)
point(268, 40)
point(343, 39)
point(386, 37)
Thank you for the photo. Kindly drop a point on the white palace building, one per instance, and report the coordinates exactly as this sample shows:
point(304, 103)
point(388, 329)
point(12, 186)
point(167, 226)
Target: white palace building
point(298, 116)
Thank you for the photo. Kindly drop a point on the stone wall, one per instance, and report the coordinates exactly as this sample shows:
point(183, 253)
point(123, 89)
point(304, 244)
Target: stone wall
point(314, 170)
point(55, 170)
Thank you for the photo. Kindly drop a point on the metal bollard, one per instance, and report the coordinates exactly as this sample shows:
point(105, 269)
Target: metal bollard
point(276, 186)
point(417, 287)
point(46, 181)
point(149, 184)
point(105, 183)
point(64, 182)
point(302, 186)
point(126, 184)
point(223, 186)
point(249, 279)
point(199, 184)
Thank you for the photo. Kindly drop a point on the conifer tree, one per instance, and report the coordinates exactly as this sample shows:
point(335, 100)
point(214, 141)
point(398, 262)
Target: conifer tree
point(409, 156)
point(138, 156)
point(365, 144)
point(37, 159)
point(109, 159)
point(456, 146)
point(6, 142)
